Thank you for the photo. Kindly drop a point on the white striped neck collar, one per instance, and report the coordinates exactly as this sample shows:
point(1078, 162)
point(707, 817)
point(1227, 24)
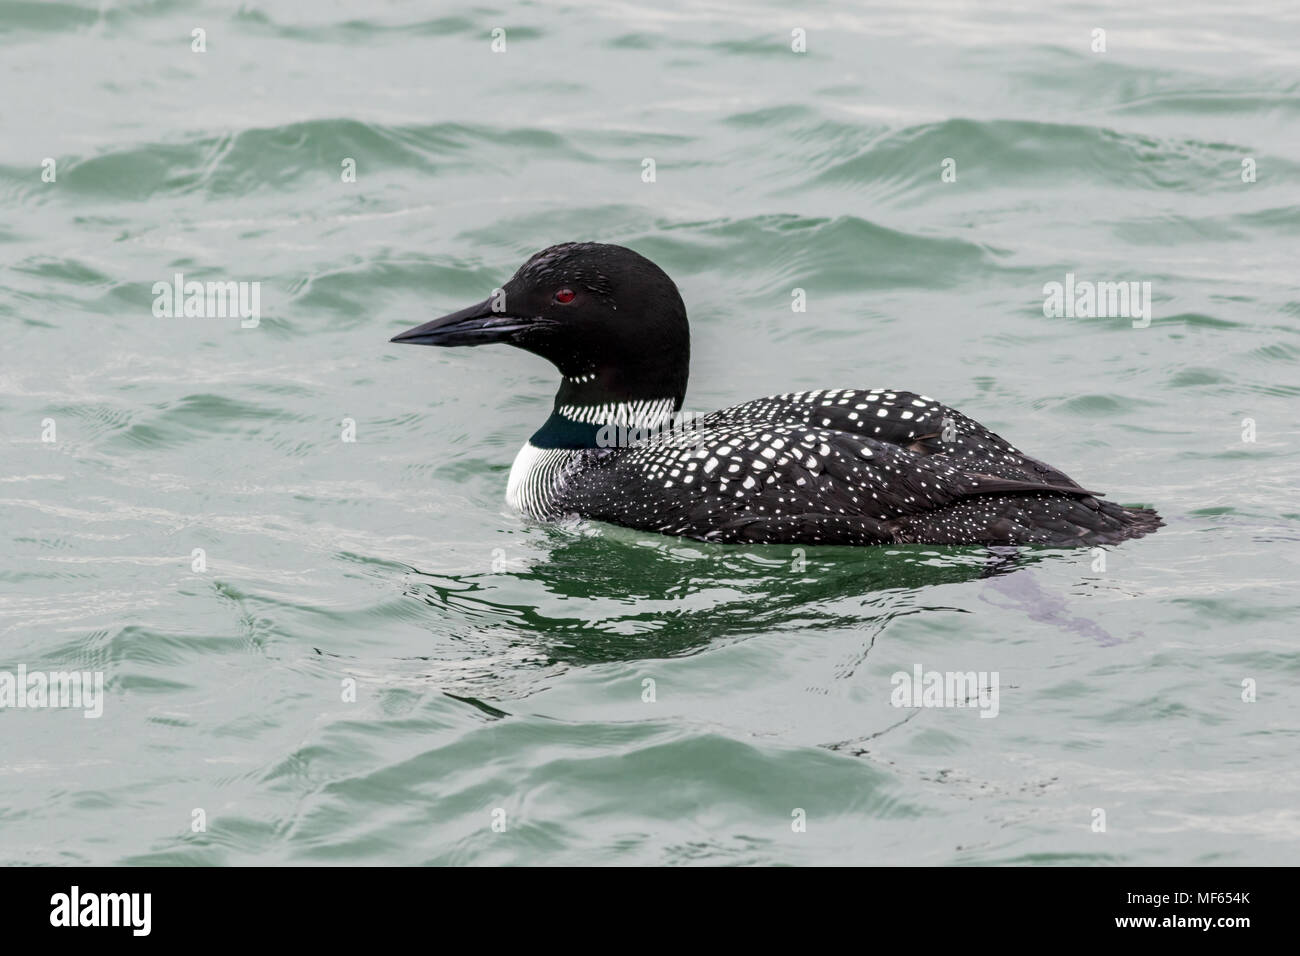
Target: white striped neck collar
point(595, 426)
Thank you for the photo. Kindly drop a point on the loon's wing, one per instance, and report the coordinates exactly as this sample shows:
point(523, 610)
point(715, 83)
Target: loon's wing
point(906, 419)
point(785, 477)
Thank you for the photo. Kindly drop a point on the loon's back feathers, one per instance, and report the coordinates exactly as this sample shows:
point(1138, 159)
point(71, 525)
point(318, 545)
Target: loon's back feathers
point(840, 466)
point(1016, 519)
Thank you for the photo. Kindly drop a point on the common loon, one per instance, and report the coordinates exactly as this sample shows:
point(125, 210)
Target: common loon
point(831, 466)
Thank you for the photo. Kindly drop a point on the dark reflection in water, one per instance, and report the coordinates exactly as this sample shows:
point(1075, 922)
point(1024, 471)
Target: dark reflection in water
point(592, 599)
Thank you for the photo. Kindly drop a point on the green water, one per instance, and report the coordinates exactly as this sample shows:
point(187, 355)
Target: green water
point(500, 665)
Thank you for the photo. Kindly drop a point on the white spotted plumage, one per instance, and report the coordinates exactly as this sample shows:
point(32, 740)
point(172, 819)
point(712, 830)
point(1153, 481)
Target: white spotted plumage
point(803, 467)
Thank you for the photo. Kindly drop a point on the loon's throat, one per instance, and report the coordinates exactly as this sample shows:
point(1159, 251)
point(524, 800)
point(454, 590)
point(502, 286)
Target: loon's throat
point(604, 424)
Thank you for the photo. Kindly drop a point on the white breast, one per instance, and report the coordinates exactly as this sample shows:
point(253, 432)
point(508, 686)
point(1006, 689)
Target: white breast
point(533, 478)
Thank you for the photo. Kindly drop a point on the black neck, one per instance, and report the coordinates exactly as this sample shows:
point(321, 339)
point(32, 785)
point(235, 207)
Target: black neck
point(561, 432)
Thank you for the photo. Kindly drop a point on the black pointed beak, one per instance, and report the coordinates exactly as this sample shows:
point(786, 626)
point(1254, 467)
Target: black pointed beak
point(476, 325)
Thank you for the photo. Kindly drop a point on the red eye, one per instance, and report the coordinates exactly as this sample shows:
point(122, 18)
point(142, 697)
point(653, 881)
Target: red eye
point(564, 296)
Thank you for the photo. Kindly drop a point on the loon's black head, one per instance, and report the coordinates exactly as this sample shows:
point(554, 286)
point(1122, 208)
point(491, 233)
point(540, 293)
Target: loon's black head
point(609, 319)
